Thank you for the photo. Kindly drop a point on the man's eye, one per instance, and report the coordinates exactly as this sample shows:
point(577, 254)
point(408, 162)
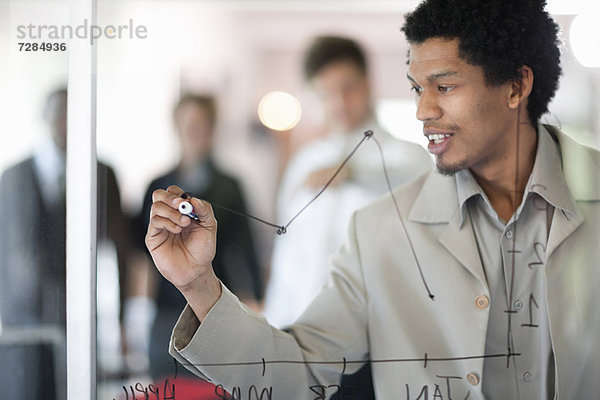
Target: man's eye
point(445, 89)
point(416, 89)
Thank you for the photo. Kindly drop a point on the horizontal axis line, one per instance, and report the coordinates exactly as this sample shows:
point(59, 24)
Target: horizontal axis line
point(391, 360)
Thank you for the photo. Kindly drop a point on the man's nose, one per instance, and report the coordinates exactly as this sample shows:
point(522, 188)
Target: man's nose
point(428, 107)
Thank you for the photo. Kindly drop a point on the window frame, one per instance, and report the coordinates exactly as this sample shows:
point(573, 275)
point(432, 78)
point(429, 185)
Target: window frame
point(81, 170)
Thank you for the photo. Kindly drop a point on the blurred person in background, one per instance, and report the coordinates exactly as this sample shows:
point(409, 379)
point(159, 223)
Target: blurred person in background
point(237, 266)
point(32, 260)
point(336, 68)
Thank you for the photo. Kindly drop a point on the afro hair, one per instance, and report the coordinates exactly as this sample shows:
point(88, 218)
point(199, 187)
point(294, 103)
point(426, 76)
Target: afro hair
point(500, 36)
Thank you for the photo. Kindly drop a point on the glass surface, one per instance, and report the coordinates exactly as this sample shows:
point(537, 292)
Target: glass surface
point(149, 55)
point(237, 52)
point(32, 204)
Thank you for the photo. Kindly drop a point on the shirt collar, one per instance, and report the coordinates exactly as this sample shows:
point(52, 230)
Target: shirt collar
point(369, 124)
point(197, 176)
point(49, 160)
point(467, 187)
point(546, 179)
point(49, 163)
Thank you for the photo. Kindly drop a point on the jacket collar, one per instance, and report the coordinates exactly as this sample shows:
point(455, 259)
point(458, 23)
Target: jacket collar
point(581, 166)
point(437, 203)
point(438, 200)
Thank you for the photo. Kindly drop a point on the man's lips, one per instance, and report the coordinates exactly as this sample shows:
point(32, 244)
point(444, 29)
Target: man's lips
point(439, 141)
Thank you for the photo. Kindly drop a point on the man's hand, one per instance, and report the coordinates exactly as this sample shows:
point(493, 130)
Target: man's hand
point(183, 249)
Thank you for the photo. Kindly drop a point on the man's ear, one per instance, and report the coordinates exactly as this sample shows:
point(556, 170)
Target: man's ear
point(520, 89)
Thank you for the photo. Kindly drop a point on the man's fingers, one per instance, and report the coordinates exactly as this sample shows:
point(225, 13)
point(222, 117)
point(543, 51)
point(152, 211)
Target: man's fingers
point(159, 224)
point(166, 204)
point(175, 190)
point(166, 211)
point(204, 211)
point(171, 197)
point(165, 196)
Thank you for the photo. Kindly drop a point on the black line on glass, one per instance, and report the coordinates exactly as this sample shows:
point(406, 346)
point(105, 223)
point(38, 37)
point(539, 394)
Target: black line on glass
point(514, 241)
point(423, 359)
point(282, 229)
point(410, 243)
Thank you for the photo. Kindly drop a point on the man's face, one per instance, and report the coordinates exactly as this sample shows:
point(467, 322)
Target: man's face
point(195, 129)
point(344, 91)
point(467, 122)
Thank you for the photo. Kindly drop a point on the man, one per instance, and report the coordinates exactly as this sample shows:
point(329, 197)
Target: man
point(195, 118)
point(488, 289)
point(32, 259)
point(337, 71)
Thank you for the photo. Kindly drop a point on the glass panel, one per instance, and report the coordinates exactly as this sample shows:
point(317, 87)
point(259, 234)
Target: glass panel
point(151, 54)
point(32, 202)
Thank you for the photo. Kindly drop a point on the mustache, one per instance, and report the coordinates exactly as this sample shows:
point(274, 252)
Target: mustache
point(454, 128)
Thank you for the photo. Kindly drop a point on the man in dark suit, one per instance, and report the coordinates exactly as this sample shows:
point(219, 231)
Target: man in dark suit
point(32, 261)
point(194, 118)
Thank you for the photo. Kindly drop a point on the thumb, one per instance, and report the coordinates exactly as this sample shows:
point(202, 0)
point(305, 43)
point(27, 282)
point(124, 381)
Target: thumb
point(204, 211)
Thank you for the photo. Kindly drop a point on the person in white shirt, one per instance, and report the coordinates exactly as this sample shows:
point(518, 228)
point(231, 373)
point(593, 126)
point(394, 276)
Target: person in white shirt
point(336, 68)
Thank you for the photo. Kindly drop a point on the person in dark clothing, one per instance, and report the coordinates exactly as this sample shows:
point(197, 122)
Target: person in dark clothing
point(236, 264)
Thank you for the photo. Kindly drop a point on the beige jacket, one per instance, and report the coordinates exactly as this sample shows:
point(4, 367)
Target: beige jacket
point(376, 305)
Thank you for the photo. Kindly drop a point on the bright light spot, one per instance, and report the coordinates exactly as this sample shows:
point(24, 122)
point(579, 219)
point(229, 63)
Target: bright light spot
point(585, 39)
point(279, 111)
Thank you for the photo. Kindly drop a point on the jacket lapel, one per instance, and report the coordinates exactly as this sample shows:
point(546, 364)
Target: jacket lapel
point(437, 203)
point(563, 224)
point(581, 169)
point(460, 242)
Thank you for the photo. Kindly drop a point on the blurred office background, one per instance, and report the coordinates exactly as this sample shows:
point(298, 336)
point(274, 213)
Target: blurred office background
point(239, 51)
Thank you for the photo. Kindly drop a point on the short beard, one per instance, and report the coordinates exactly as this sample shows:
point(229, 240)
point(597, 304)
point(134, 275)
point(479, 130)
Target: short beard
point(450, 170)
point(446, 172)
